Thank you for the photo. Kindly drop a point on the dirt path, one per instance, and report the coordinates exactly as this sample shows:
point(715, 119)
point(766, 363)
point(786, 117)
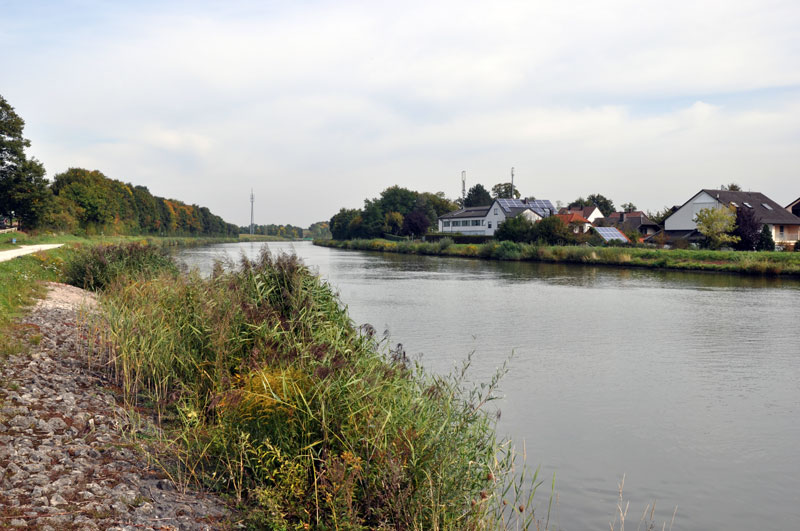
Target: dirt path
point(27, 249)
point(64, 462)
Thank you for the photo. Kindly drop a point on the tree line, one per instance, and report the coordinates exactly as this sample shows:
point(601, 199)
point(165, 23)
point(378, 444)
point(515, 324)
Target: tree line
point(86, 201)
point(318, 230)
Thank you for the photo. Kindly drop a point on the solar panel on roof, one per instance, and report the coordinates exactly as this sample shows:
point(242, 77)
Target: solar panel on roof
point(610, 233)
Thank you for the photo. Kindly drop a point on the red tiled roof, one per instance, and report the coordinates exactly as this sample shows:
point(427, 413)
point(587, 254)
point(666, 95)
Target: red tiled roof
point(573, 217)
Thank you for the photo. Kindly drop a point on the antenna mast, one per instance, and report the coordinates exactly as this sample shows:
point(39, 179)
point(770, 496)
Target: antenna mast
point(252, 200)
point(512, 182)
point(463, 186)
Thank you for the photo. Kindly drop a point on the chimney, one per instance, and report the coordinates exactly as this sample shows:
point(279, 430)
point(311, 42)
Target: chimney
point(524, 200)
point(622, 217)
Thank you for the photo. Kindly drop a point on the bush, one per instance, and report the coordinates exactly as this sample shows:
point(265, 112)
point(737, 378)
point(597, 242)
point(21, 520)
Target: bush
point(284, 404)
point(765, 241)
point(97, 267)
point(507, 250)
point(444, 243)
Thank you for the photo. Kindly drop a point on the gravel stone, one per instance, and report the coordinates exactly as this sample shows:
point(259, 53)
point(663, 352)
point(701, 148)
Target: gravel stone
point(65, 462)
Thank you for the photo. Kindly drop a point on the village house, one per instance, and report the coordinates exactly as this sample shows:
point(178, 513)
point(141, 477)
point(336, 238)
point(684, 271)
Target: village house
point(794, 207)
point(591, 213)
point(629, 221)
point(576, 222)
point(485, 220)
point(784, 225)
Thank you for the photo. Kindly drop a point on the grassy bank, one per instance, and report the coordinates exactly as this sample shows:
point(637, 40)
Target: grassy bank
point(753, 263)
point(23, 238)
point(269, 394)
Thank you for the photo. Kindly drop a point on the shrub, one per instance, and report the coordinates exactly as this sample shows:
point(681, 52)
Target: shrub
point(445, 242)
point(284, 404)
point(96, 267)
point(507, 250)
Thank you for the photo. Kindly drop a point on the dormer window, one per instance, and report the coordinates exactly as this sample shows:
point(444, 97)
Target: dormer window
point(748, 205)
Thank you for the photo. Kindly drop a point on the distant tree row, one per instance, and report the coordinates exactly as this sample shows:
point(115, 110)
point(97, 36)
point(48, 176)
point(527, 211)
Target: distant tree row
point(318, 230)
point(398, 211)
point(80, 200)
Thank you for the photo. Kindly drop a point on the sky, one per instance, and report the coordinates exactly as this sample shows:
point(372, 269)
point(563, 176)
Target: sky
point(317, 105)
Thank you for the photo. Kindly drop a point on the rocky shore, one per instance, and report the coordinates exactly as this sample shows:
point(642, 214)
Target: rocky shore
point(65, 460)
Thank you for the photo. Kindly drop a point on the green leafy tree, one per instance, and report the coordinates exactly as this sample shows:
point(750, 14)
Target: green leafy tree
point(393, 223)
point(416, 224)
point(628, 207)
point(553, 231)
point(747, 229)
point(765, 240)
point(23, 187)
point(397, 199)
point(733, 187)
point(505, 191)
point(605, 204)
point(478, 196)
point(717, 224)
point(516, 229)
point(340, 223)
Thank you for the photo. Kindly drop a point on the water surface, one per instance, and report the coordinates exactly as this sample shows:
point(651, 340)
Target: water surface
point(686, 383)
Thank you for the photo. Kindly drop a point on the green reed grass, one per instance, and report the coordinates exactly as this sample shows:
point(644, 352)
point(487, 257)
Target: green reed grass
point(272, 395)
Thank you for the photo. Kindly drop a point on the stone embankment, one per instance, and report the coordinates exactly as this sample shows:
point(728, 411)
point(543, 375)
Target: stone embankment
point(65, 461)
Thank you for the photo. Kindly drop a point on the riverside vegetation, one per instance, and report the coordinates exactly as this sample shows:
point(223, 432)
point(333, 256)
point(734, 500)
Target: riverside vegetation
point(268, 393)
point(755, 263)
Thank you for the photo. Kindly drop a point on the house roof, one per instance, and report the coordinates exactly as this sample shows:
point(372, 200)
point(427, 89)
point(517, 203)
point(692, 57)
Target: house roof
point(572, 217)
point(792, 204)
point(469, 212)
point(765, 209)
point(611, 233)
point(583, 211)
point(543, 207)
point(632, 219)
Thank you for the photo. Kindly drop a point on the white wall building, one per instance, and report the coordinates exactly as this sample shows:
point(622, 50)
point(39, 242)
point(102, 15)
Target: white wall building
point(485, 220)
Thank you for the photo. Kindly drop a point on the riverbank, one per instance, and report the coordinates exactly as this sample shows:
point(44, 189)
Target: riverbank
point(69, 455)
point(749, 263)
point(266, 393)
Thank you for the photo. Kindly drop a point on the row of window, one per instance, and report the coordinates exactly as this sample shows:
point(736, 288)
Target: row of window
point(748, 205)
point(466, 223)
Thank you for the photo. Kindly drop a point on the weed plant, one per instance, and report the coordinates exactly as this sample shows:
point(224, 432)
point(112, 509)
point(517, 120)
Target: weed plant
point(275, 397)
point(96, 267)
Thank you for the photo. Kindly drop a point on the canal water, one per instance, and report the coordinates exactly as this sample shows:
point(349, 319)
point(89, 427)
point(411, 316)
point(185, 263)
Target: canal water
point(687, 384)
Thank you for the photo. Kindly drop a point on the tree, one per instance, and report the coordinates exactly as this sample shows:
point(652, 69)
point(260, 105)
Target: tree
point(605, 204)
point(416, 224)
point(505, 190)
point(628, 207)
point(765, 241)
point(397, 199)
point(553, 231)
point(478, 196)
point(393, 222)
point(23, 187)
point(716, 224)
point(746, 229)
point(733, 187)
point(340, 223)
point(516, 229)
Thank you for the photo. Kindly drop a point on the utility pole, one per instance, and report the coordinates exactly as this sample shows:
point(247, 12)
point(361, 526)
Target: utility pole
point(463, 186)
point(512, 182)
point(252, 200)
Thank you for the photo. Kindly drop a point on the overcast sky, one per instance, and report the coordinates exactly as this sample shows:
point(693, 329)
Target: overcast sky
point(317, 105)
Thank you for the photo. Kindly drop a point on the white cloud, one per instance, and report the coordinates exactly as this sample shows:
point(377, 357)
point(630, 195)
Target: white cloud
point(334, 101)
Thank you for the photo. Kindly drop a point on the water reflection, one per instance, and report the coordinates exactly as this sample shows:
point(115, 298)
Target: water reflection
point(685, 382)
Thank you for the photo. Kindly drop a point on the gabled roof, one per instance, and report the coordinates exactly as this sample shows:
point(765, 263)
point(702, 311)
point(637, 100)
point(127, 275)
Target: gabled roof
point(583, 211)
point(632, 219)
point(572, 217)
point(765, 209)
point(543, 207)
point(469, 212)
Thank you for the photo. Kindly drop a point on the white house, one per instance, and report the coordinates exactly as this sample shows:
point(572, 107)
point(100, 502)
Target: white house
point(590, 213)
point(784, 225)
point(484, 220)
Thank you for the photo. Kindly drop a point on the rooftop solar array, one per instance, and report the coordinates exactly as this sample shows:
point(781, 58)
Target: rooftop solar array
point(610, 233)
point(543, 207)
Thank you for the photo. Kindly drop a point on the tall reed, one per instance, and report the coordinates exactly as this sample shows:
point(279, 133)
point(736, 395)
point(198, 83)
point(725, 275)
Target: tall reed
point(275, 397)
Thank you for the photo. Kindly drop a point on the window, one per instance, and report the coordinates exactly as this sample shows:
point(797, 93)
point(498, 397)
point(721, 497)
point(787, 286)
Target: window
point(768, 208)
point(490, 224)
point(483, 222)
point(781, 229)
point(733, 203)
point(446, 223)
point(495, 211)
point(476, 223)
point(748, 205)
